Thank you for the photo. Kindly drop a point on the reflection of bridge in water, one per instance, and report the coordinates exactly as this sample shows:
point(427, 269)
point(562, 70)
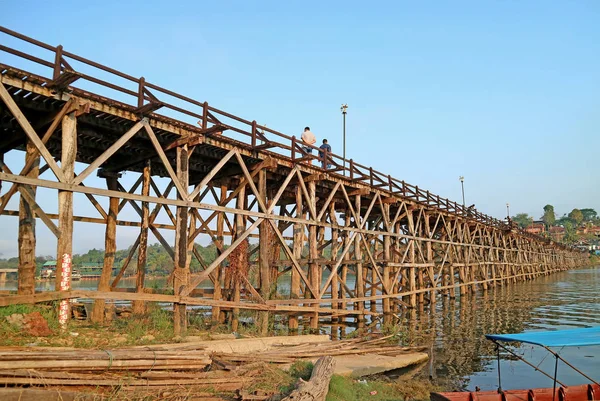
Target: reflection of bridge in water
point(250, 190)
point(456, 328)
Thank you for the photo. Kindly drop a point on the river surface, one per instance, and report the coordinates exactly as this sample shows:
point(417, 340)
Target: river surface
point(464, 359)
point(455, 328)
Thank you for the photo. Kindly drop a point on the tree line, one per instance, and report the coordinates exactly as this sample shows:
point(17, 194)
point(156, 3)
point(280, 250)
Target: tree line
point(570, 222)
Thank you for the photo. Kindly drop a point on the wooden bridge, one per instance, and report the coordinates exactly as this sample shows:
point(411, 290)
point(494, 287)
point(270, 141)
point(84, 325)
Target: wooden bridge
point(304, 244)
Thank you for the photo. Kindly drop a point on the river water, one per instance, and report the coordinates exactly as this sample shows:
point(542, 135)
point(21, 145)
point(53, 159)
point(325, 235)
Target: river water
point(464, 359)
point(455, 328)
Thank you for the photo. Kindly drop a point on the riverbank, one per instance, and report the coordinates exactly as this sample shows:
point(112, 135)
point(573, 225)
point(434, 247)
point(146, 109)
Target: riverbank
point(260, 375)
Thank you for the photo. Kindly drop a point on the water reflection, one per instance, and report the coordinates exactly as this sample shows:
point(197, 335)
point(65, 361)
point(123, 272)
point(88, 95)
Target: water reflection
point(463, 358)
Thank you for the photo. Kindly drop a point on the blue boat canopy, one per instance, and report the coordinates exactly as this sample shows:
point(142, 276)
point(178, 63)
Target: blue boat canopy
point(558, 338)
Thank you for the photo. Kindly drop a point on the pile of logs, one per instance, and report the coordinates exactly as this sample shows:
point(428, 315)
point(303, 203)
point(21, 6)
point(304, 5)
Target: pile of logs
point(162, 368)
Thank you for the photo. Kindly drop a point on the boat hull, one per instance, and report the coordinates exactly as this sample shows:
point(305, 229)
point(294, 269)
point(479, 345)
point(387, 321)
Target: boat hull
point(584, 392)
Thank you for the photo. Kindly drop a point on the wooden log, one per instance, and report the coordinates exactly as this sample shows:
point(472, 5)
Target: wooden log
point(27, 240)
point(181, 276)
point(110, 247)
point(297, 254)
point(317, 387)
point(139, 306)
point(313, 272)
point(264, 243)
point(217, 315)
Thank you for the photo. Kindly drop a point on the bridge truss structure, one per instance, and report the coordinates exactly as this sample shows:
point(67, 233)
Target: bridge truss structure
point(296, 242)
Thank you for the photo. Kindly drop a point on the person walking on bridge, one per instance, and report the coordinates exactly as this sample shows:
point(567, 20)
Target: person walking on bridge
point(309, 139)
point(324, 154)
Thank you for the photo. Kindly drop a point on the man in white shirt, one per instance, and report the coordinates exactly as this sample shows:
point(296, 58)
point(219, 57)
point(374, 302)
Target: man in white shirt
point(309, 139)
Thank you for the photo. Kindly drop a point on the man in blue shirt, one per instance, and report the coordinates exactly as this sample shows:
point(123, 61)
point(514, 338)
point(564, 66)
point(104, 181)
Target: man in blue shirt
point(324, 154)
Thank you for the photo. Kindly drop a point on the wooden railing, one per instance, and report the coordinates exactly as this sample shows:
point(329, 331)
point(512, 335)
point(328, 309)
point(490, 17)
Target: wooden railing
point(146, 96)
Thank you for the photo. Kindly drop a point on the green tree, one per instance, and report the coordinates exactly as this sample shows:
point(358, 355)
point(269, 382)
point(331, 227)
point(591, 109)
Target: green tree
point(564, 220)
point(589, 214)
point(522, 219)
point(570, 234)
point(576, 216)
point(549, 218)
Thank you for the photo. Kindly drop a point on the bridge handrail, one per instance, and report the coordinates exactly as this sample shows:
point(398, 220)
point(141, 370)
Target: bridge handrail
point(355, 172)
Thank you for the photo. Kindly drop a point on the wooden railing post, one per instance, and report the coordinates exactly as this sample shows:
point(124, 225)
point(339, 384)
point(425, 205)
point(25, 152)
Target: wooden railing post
point(57, 62)
point(294, 148)
point(253, 134)
point(142, 83)
point(351, 169)
point(204, 115)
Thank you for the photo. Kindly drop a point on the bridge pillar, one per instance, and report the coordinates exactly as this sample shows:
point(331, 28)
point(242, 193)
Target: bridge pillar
point(297, 251)
point(264, 256)
point(335, 285)
point(217, 315)
point(65, 202)
point(139, 307)
point(110, 247)
point(181, 274)
point(313, 252)
point(26, 283)
point(360, 272)
point(3, 277)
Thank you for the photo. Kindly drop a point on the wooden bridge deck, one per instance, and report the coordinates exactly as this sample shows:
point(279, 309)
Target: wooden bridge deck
point(354, 241)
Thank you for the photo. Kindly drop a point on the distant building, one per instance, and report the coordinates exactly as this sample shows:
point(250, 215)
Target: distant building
point(536, 227)
point(48, 269)
point(557, 233)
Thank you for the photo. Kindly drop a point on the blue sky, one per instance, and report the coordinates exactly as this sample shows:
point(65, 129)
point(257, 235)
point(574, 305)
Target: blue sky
point(505, 93)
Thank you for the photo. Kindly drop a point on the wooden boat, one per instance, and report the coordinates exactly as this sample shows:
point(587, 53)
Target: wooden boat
point(547, 340)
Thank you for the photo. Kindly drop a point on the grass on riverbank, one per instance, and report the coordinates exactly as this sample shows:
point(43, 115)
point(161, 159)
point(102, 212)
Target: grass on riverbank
point(376, 388)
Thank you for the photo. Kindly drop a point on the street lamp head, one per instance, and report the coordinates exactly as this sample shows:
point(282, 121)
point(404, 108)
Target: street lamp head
point(344, 108)
point(461, 178)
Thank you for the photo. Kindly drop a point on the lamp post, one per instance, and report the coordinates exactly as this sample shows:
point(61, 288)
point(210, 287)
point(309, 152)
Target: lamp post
point(507, 209)
point(343, 109)
point(462, 185)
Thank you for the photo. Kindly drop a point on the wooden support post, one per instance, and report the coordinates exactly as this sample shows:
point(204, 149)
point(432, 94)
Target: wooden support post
point(335, 246)
point(64, 250)
point(181, 276)
point(297, 250)
point(313, 267)
point(387, 256)
point(360, 279)
point(264, 243)
point(217, 316)
point(344, 275)
point(412, 274)
point(240, 227)
point(139, 307)
point(110, 247)
point(26, 284)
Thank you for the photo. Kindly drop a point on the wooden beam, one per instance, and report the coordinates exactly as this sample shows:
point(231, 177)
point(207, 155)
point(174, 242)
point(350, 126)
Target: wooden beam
point(30, 132)
point(109, 152)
